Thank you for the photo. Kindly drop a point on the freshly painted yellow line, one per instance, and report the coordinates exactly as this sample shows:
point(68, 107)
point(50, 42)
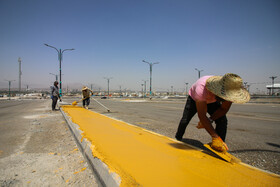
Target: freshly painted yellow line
point(143, 158)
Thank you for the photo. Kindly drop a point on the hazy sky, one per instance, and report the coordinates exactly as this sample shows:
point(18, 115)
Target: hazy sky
point(112, 37)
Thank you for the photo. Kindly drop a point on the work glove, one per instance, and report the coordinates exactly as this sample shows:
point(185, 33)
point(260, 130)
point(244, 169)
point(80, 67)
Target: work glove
point(51, 97)
point(219, 145)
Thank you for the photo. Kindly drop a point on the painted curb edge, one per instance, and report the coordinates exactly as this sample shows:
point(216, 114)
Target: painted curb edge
point(100, 169)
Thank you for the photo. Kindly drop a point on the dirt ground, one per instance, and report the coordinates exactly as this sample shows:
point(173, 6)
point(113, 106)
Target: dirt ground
point(43, 152)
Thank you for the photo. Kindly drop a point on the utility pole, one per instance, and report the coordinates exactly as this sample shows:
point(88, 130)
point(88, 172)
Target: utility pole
point(151, 70)
point(60, 53)
point(272, 86)
point(198, 72)
point(19, 74)
point(108, 79)
point(10, 81)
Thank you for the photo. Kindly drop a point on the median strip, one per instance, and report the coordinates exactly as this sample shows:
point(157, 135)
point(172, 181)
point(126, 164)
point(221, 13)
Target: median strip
point(126, 155)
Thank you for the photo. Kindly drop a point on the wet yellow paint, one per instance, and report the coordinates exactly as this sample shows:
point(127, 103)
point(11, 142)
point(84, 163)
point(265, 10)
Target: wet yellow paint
point(80, 170)
point(144, 158)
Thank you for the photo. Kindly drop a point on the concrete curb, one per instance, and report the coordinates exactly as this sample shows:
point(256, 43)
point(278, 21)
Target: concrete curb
point(100, 169)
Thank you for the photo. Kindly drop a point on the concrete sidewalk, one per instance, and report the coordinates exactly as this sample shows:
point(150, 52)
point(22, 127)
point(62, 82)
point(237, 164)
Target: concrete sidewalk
point(126, 155)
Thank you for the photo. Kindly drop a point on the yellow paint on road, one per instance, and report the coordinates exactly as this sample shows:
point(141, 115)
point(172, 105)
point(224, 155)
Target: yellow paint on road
point(144, 158)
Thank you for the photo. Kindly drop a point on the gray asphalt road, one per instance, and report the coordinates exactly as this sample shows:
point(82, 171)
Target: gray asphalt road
point(37, 148)
point(253, 129)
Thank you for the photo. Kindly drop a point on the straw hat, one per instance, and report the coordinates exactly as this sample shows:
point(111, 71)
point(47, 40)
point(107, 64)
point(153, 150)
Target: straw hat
point(85, 88)
point(228, 87)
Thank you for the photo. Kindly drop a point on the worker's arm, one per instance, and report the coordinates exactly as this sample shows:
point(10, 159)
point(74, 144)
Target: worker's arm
point(91, 92)
point(222, 110)
point(201, 107)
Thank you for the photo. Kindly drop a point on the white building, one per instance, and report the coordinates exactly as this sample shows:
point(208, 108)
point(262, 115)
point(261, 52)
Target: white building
point(273, 89)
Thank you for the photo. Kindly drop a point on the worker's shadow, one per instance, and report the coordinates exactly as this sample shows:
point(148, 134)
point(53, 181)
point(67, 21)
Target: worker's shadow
point(188, 142)
point(194, 143)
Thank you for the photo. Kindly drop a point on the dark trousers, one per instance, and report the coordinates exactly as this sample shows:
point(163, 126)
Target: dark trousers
point(190, 110)
point(54, 101)
point(86, 102)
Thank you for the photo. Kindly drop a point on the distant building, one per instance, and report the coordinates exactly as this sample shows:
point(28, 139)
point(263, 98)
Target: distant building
point(273, 89)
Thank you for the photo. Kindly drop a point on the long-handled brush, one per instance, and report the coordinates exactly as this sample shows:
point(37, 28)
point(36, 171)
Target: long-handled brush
point(101, 104)
point(225, 156)
point(76, 102)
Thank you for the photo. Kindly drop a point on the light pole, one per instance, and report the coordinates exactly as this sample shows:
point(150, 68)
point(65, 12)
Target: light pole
point(151, 70)
point(198, 72)
point(19, 74)
point(142, 85)
point(108, 79)
point(186, 87)
point(272, 86)
point(60, 53)
point(120, 91)
point(10, 81)
point(56, 76)
point(145, 90)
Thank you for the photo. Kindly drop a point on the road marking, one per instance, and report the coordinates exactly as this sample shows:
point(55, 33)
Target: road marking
point(252, 117)
point(249, 116)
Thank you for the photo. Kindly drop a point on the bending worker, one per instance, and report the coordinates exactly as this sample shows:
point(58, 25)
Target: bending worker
point(86, 96)
point(213, 95)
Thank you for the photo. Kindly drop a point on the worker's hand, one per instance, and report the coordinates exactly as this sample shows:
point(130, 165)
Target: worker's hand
point(219, 145)
point(199, 125)
point(60, 100)
point(52, 97)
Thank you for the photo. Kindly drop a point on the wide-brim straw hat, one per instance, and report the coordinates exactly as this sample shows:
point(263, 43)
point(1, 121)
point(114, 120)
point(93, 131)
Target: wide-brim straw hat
point(85, 88)
point(228, 87)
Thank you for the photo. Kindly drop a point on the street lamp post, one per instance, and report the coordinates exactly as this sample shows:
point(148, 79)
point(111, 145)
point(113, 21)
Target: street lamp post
point(142, 90)
point(272, 85)
point(145, 90)
point(108, 79)
point(19, 75)
point(10, 81)
point(60, 53)
point(151, 70)
point(198, 72)
point(186, 88)
point(56, 76)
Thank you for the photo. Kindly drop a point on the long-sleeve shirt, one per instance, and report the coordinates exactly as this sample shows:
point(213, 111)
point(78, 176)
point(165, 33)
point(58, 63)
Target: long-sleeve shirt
point(54, 91)
point(86, 93)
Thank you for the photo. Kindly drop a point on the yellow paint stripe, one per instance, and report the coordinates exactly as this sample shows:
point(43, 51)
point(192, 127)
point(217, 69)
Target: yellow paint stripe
point(147, 159)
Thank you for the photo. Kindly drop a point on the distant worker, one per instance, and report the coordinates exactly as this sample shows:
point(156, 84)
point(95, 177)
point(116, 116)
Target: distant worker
point(54, 95)
point(86, 96)
point(213, 95)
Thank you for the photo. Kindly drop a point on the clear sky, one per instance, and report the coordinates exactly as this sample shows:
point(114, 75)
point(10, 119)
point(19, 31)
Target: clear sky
point(112, 37)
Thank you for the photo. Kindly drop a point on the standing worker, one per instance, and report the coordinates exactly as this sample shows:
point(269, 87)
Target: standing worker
point(213, 95)
point(86, 96)
point(54, 94)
